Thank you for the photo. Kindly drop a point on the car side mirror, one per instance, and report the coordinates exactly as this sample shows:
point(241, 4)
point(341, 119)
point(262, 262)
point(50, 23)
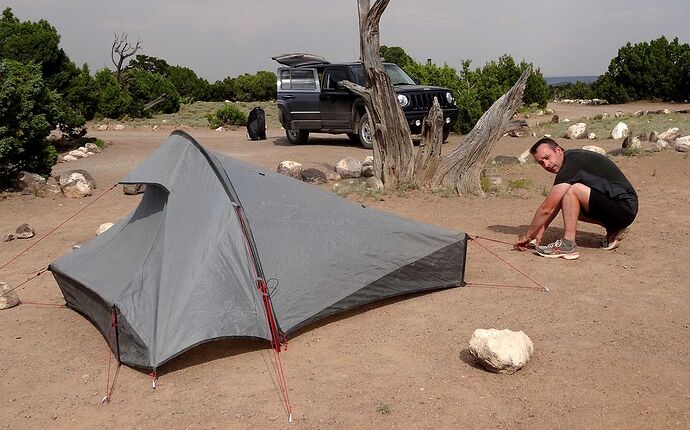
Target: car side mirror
point(341, 86)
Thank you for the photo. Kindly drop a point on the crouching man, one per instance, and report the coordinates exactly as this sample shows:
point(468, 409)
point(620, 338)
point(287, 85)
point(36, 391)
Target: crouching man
point(588, 187)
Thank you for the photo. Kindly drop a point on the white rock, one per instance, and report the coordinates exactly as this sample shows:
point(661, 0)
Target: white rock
point(368, 167)
point(632, 143)
point(591, 136)
point(103, 228)
point(501, 351)
point(548, 111)
point(665, 111)
point(349, 167)
point(155, 127)
point(547, 135)
point(596, 149)
point(682, 144)
point(620, 131)
point(619, 114)
point(605, 115)
point(670, 135)
point(75, 185)
point(77, 154)
point(566, 120)
point(289, 168)
point(576, 131)
point(661, 144)
point(69, 158)
point(24, 231)
point(83, 149)
point(119, 127)
point(525, 157)
point(92, 147)
point(9, 298)
point(103, 127)
point(220, 128)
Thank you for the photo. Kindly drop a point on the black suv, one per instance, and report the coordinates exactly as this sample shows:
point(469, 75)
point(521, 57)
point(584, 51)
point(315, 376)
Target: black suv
point(310, 99)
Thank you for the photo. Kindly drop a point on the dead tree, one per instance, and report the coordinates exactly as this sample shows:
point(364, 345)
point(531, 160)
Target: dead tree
point(123, 50)
point(461, 169)
point(393, 147)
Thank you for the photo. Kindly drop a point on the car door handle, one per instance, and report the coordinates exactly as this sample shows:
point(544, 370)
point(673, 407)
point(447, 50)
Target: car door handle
point(288, 97)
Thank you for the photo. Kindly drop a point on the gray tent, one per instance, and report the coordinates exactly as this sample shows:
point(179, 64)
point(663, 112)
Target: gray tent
point(219, 248)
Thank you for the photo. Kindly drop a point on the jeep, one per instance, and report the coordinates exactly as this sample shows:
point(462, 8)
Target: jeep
point(311, 98)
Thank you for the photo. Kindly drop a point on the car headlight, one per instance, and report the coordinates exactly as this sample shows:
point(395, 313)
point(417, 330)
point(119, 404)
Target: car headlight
point(403, 100)
point(449, 98)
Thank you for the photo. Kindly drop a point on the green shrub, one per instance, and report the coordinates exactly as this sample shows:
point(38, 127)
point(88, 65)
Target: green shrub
point(145, 87)
point(112, 100)
point(28, 112)
point(227, 115)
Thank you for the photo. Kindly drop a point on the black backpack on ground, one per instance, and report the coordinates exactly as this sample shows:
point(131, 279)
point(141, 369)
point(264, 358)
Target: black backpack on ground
point(256, 124)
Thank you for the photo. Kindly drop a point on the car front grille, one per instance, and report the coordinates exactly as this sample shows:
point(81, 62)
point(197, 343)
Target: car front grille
point(423, 101)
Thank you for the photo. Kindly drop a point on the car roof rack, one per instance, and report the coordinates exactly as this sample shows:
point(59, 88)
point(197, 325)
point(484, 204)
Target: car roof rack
point(299, 59)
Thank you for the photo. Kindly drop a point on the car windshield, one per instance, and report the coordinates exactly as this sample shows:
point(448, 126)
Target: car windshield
point(395, 73)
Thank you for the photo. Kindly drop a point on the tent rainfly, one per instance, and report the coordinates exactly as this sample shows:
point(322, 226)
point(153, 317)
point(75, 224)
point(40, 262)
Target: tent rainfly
point(218, 248)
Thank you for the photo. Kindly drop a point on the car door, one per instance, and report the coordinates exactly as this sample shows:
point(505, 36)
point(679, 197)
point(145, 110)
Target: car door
point(335, 103)
point(298, 98)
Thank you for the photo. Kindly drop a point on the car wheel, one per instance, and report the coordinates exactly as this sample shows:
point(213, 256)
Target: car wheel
point(446, 133)
point(354, 137)
point(297, 137)
point(366, 137)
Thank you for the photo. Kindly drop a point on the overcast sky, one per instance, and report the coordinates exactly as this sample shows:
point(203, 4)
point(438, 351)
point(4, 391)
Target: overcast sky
point(219, 38)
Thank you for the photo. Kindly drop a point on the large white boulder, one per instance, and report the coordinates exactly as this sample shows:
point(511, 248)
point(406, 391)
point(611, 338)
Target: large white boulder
point(76, 185)
point(8, 298)
point(501, 351)
point(576, 131)
point(620, 131)
point(290, 168)
point(349, 167)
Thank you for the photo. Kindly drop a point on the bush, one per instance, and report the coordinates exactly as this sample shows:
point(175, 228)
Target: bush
point(112, 100)
point(28, 112)
point(145, 87)
point(227, 115)
point(245, 88)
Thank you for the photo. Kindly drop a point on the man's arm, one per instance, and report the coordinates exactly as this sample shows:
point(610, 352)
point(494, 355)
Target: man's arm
point(544, 214)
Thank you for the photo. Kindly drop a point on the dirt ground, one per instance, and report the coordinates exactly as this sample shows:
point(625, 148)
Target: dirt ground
point(611, 338)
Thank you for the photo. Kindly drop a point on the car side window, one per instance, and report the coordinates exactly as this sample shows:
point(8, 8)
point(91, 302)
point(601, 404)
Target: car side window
point(331, 77)
point(298, 79)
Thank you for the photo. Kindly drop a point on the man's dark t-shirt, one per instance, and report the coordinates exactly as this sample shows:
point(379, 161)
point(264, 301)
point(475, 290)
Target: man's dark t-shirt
point(598, 173)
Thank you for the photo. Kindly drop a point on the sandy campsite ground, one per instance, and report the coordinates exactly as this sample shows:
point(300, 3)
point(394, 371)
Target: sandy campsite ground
point(611, 338)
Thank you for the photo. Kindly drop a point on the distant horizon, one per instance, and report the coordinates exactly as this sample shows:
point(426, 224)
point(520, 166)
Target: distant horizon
point(570, 79)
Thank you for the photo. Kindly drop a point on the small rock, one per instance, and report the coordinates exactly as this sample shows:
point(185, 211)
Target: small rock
point(103, 127)
point(576, 131)
point(661, 144)
point(368, 166)
point(495, 181)
point(31, 183)
point(619, 114)
point(632, 143)
point(220, 128)
point(8, 238)
point(133, 189)
point(155, 127)
point(24, 231)
point(670, 135)
point(9, 298)
point(289, 168)
point(314, 176)
point(539, 112)
point(332, 176)
point(119, 127)
point(76, 154)
point(682, 144)
point(591, 136)
point(640, 113)
point(525, 157)
point(620, 131)
point(547, 135)
point(69, 158)
point(373, 183)
point(515, 133)
point(665, 111)
point(565, 121)
point(596, 149)
point(349, 167)
point(92, 147)
point(605, 115)
point(555, 119)
point(548, 111)
point(501, 351)
point(505, 160)
point(653, 136)
point(103, 228)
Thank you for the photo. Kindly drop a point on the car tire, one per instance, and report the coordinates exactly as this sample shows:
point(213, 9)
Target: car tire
point(446, 133)
point(366, 138)
point(354, 138)
point(297, 137)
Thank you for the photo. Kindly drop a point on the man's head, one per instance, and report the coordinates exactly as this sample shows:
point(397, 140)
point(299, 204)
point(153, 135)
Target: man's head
point(548, 154)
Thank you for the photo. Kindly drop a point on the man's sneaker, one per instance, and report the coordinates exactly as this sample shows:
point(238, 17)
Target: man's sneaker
point(558, 249)
point(613, 239)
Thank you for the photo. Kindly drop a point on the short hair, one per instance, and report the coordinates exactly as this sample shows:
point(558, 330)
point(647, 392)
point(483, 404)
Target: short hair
point(544, 141)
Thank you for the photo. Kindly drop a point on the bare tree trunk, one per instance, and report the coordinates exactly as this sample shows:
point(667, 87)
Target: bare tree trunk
point(393, 147)
point(124, 50)
point(461, 170)
point(429, 153)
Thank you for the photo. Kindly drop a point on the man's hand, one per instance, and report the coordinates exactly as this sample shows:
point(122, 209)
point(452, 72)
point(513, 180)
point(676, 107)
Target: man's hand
point(523, 242)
